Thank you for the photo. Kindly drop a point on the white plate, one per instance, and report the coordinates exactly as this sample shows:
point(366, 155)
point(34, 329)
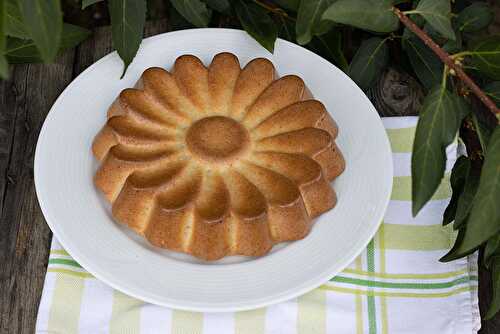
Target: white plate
point(80, 218)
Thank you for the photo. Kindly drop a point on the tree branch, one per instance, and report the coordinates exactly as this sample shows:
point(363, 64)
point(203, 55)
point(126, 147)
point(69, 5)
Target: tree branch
point(448, 61)
point(274, 9)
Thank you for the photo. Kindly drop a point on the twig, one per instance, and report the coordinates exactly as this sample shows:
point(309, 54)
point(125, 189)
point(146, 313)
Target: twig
point(276, 10)
point(448, 61)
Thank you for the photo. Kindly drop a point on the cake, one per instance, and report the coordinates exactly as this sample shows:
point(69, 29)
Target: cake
point(218, 161)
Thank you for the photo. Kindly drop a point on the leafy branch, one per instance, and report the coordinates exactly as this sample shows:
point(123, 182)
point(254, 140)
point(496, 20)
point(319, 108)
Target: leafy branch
point(451, 62)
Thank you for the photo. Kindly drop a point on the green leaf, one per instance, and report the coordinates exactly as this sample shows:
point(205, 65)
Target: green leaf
point(4, 67)
point(176, 21)
point(25, 51)
point(484, 217)
point(373, 15)
point(86, 3)
point(43, 20)
point(288, 4)
point(194, 11)
point(495, 278)
point(73, 35)
point(452, 255)
point(483, 132)
point(287, 30)
point(492, 249)
point(434, 34)
point(493, 91)
point(369, 62)
point(419, 21)
point(222, 6)
point(309, 18)
point(257, 23)
point(466, 199)
point(427, 66)
point(329, 46)
point(454, 46)
point(19, 51)
point(14, 25)
point(475, 17)
point(486, 56)
point(457, 180)
point(127, 25)
point(440, 117)
point(437, 13)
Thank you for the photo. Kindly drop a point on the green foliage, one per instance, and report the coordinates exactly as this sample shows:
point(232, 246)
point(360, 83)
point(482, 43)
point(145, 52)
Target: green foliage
point(457, 181)
point(292, 5)
point(14, 25)
point(25, 51)
point(329, 45)
point(44, 23)
point(309, 17)
point(194, 11)
point(475, 17)
point(177, 21)
point(372, 15)
point(484, 220)
point(483, 132)
point(4, 67)
point(492, 249)
point(437, 13)
point(257, 23)
point(86, 3)
point(127, 25)
point(287, 30)
point(453, 46)
point(493, 91)
point(440, 118)
point(466, 199)
point(427, 66)
point(495, 282)
point(222, 6)
point(369, 62)
point(486, 56)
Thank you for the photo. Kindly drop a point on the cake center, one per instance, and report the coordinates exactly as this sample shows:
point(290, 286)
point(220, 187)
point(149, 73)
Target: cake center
point(217, 138)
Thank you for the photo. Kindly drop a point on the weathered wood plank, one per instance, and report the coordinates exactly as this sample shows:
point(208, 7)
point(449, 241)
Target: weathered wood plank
point(24, 235)
point(25, 100)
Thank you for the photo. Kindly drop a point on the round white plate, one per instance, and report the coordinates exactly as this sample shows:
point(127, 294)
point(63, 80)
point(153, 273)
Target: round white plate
point(81, 221)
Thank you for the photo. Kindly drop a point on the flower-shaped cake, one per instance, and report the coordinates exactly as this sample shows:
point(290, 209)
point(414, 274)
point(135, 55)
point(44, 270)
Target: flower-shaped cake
point(218, 161)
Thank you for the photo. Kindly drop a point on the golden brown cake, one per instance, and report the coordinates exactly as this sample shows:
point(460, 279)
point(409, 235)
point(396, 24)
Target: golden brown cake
point(218, 161)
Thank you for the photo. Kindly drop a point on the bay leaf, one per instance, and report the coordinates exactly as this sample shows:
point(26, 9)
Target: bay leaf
point(369, 61)
point(441, 115)
point(43, 21)
point(127, 25)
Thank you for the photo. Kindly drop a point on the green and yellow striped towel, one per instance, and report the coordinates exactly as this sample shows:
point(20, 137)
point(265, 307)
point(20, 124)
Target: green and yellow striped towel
point(396, 285)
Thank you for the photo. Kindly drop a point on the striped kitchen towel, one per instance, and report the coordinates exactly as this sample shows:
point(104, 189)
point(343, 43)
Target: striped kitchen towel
point(396, 285)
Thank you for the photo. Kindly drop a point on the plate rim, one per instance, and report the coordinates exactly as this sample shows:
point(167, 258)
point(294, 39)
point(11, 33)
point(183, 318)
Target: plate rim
point(313, 283)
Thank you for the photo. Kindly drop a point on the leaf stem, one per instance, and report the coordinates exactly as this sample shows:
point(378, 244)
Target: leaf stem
point(447, 60)
point(409, 12)
point(445, 76)
point(461, 54)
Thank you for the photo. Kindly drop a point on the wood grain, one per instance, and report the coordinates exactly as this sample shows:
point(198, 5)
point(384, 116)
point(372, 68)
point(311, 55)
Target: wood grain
point(24, 235)
point(25, 238)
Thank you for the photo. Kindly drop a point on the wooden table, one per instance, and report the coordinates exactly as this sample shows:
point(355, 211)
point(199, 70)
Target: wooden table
point(25, 100)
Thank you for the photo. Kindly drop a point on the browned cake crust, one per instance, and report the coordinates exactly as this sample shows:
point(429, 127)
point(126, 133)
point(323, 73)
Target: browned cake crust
point(218, 161)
